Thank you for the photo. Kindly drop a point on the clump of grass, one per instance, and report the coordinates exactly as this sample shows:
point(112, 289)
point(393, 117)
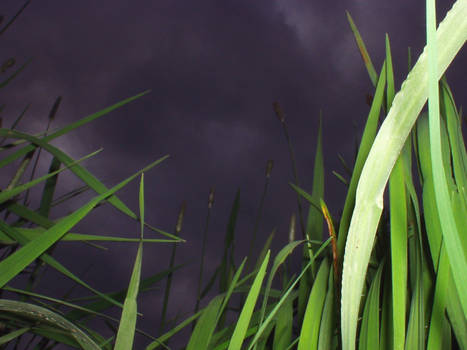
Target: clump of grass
point(392, 283)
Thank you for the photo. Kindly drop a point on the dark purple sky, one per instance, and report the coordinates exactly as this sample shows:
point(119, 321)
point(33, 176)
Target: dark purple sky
point(214, 68)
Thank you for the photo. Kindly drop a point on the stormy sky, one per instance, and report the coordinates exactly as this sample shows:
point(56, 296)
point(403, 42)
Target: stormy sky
point(214, 69)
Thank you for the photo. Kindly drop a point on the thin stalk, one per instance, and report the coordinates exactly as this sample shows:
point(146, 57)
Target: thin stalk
point(203, 250)
point(250, 261)
point(281, 117)
point(178, 228)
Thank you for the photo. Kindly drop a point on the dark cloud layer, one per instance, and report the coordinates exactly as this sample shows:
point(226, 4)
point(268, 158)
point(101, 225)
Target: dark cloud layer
point(214, 68)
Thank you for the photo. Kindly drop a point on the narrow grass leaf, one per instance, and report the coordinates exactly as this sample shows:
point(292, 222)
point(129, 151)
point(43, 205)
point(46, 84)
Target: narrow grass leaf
point(368, 137)
point(127, 325)
point(202, 333)
point(327, 325)
point(370, 329)
point(239, 333)
point(363, 51)
point(311, 322)
point(13, 335)
point(314, 226)
point(79, 171)
point(283, 325)
point(49, 189)
point(8, 194)
point(278, 261)
point(16, 262)
point(398, 222)
point(278, 305)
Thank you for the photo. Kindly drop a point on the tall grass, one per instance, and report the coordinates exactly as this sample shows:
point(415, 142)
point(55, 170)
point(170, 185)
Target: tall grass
point(387, 278)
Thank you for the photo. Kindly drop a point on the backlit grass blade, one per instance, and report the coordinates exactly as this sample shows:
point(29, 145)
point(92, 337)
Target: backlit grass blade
point(311, 321)
point(386, 148)
point(457, 255)
point(239, 333)
point(16, 262)
point(127, 325)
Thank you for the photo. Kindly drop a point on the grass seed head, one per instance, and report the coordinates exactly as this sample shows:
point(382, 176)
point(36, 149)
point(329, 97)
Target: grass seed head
point(211, 197)
point(279, 112)
point(269, 166)
point(8, 64)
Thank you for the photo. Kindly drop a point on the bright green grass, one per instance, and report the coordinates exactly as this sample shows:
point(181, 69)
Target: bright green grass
point(394, 283)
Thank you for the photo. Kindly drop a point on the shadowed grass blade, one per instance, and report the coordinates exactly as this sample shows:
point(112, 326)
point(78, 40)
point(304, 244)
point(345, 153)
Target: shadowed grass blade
point(43, 315)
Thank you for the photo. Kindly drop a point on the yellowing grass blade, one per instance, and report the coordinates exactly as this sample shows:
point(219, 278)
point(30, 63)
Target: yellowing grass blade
point(363, 51)
point(386, 148)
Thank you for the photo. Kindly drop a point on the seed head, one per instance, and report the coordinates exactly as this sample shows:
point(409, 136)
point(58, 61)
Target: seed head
point(178, 227)
point(7, 64)
point(269, 165)
point(54, 109)
point(279, 112)
point(292, 228)
point(211, 197)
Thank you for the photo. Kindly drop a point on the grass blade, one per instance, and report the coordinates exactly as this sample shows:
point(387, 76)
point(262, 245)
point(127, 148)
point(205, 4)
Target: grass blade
point(311, 322)
point(16, 262)
point(407, 104)
point(241, 328)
